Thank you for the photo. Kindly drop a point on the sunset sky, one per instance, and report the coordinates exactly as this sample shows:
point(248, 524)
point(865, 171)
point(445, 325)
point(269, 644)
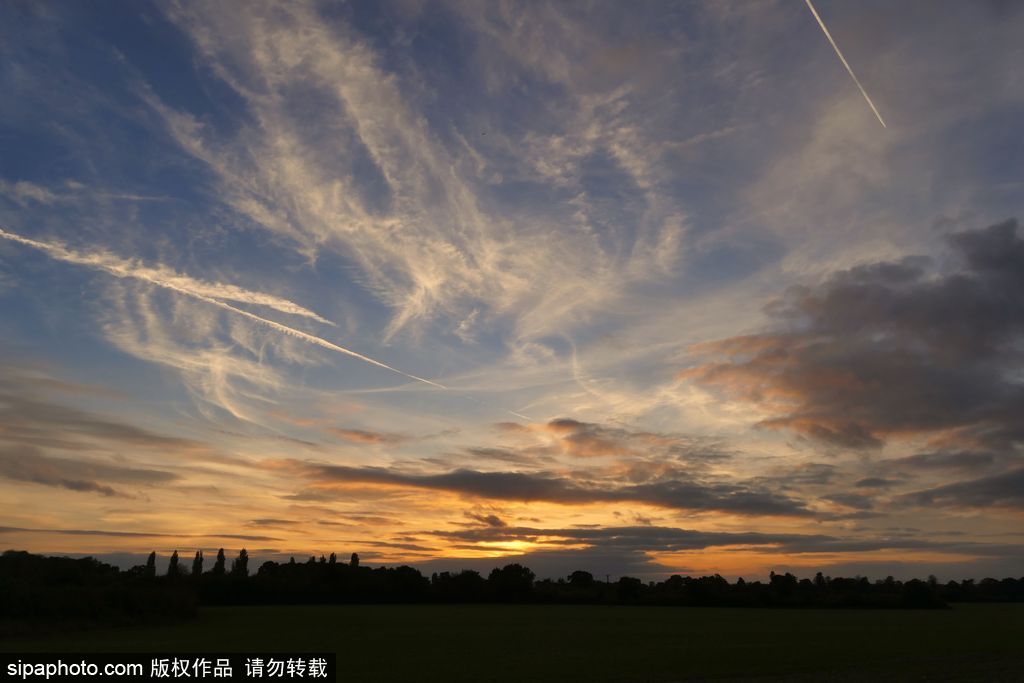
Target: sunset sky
point(637, 288)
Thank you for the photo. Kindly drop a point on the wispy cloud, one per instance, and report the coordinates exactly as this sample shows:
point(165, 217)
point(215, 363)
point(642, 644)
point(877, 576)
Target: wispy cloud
point(203, 291)
point(24, 192)
point(423, 225)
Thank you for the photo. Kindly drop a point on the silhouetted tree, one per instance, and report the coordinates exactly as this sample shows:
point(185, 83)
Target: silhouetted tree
point(628, 588)
point(240, 565)
point(64, 592)
point(218, 565)
point(783, 586)
point(466, 586)
point(197, 564)
point(89, 590)
point(354, 560)
point(917, 593)
point(581, 579)
point(511, 582)
point(333, 559)
point(173, 570)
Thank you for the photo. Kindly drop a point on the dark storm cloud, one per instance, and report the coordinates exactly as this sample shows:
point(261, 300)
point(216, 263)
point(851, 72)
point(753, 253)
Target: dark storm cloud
point(681, 495)
point(28, 464)
point(894, 349)
point(1001, 490)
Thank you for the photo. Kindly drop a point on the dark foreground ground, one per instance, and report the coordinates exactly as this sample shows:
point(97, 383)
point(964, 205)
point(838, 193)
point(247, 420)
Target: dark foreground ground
point(597, 643)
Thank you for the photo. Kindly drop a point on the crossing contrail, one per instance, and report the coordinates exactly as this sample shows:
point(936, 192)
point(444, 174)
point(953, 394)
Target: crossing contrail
point(313, 339)
point(845, 63)
point(210, 293)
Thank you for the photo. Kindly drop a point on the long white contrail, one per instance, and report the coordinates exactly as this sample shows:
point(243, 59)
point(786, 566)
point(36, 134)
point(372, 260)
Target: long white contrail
point(204, 291)
point(312, 339)
point(164, 277)
point(845, 63)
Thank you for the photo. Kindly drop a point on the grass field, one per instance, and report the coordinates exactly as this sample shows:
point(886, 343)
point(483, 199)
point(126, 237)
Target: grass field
point(593, 643)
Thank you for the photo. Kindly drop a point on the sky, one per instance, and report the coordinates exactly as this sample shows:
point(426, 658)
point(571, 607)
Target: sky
point(638, 288)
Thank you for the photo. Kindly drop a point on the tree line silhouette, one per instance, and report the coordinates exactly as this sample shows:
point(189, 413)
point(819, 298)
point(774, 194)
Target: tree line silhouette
point(35, 589)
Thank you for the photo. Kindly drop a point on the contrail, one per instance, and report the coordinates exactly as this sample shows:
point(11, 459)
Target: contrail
point(164, 277)
point(843, 60)
point(206, 293)
point(313, 339)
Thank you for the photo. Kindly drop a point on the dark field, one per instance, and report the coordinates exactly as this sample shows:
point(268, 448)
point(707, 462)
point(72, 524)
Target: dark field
point(595, 643)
